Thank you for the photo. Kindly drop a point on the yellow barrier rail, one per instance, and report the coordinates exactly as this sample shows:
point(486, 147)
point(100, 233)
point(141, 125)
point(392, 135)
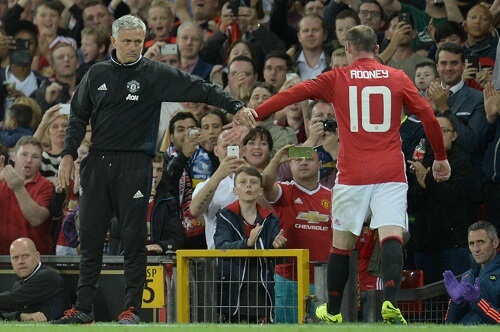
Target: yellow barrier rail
point(183, 256)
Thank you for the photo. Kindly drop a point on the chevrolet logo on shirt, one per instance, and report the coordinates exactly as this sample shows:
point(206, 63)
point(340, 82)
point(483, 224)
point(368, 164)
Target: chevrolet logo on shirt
point(313, 217)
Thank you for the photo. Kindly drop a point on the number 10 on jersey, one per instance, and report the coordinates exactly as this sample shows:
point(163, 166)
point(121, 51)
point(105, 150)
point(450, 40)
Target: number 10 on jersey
point(366, 122)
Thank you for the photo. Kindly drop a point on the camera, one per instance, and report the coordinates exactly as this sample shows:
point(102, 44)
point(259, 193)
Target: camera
point(21, 55)
point(329, 125)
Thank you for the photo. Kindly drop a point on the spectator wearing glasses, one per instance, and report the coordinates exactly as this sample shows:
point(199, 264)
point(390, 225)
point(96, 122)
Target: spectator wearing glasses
point(441, 213)
point(370, 13)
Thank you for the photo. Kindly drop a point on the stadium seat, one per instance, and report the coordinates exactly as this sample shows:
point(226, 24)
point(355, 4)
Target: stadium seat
point(411, 279)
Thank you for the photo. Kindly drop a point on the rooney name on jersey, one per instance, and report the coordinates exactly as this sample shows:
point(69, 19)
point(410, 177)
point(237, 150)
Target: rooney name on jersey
point(379, 73)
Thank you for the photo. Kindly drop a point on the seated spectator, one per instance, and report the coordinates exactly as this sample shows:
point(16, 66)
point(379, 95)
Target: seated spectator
point(476, 300)
point(303, 207)
point(160, 20)
point(479, 24)
point(425, 74)
point(60, 89)
point(52, 131)
point(441, 211)
point(25, 197)
point(478, 77)
point(19, 71)
point(216, 192)
point(281, 136)
point(164, 226)
point(339, 58)
point(247, 285)
point(276, 66)
point(190, 42)
point(95, 44)
point(17, 125)
point(39, 293)
point(242, 75)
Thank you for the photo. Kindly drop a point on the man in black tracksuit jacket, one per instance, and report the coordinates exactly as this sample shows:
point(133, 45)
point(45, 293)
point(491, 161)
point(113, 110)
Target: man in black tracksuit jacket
point(121, 98)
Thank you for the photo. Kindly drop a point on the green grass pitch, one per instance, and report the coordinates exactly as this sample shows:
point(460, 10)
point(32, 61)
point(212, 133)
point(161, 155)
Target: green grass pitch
point(108, 327)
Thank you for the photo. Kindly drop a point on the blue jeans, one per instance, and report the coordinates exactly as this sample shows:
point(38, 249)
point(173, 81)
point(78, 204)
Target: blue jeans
point(457, 260)
point(286, 300)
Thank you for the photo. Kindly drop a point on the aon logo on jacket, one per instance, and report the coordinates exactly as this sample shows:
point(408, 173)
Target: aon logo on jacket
point(132, 97)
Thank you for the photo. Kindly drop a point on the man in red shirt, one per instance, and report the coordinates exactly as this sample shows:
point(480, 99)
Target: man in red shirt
point(25, 197)
point(368, 99)
point(303, 207)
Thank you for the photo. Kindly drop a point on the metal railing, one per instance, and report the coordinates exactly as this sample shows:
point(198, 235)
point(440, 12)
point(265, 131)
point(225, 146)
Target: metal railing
point(186, 281)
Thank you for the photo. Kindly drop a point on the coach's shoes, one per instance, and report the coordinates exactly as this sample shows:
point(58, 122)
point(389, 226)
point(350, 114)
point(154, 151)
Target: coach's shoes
point(392, 315)
point(128, 317)
point(74, 316)
point(323, 315)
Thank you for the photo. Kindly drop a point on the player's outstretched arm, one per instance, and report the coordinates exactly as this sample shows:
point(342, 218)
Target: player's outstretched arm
point(441, 170)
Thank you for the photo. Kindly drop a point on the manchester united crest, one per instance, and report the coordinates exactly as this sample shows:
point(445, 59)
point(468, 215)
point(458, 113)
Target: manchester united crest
point(133, 86)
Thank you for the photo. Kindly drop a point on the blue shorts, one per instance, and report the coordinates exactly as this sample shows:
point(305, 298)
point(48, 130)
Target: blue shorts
point(286, 300)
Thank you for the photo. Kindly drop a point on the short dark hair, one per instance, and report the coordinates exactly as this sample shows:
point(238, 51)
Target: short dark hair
point(178, 117)
point(447, 115)
point(375, 2)
point(313, 15)
point(487, 226)
point(263, 85)
point(314, 103)
point(21, 113)
point(427, 64)
point(363, 38)
point(281, 55)
point(452, 48)
point(158, 158)
point(448, 28)
point(218, 113)
point(240, 41)
point(396, 14)
point(52, 4)
point(260, 132)
point(25, 140)
point(245, 59)
point(346, 13)
point(249, 171)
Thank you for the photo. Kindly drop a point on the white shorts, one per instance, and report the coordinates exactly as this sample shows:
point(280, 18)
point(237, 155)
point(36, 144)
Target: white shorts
point(385, 202)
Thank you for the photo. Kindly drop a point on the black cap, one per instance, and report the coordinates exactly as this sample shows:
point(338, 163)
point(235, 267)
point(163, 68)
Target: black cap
point(22, 25)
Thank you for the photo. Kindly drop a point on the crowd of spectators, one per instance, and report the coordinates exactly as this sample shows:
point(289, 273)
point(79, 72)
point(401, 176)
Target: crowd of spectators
point(252, 49)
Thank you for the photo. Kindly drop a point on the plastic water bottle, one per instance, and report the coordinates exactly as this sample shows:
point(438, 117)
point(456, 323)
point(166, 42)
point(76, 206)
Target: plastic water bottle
point(418, 153)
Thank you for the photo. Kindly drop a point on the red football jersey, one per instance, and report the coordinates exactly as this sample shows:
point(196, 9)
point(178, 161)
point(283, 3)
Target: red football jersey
point(368, 98)
point(305, 218)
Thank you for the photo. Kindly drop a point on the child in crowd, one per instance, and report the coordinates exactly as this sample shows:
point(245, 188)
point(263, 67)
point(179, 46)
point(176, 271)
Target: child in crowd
point(95, 45)
point(247, 285)
point(160, 20)
point(425, 74)
point(17, 125)
point(339, 58)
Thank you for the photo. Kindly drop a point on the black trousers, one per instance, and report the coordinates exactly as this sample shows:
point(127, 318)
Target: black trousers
point(113, 184)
